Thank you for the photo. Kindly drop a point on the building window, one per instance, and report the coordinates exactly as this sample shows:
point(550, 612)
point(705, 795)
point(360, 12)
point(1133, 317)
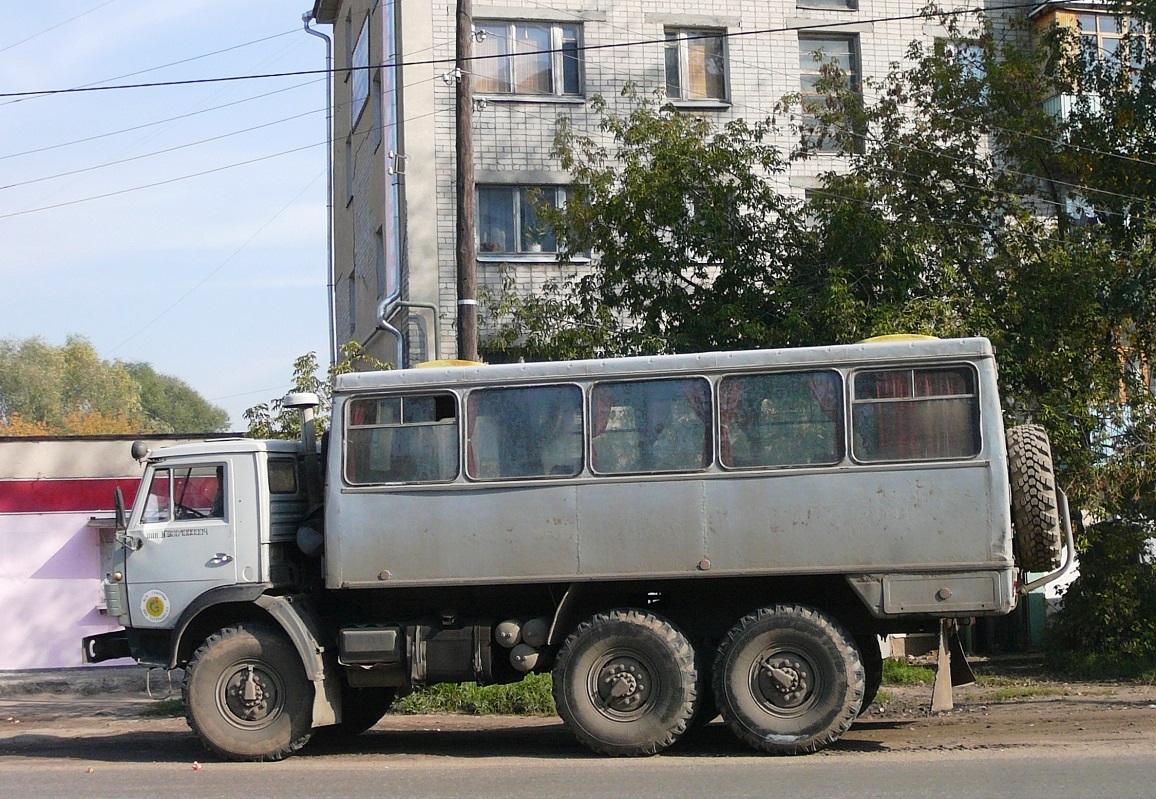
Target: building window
point(1100, 35)
point(359, 70)
point(379, 259)
point(815, 53)
point(840, 5)
point(531, 58)
point(351, 288)
point(696, 64)
point(508, 219)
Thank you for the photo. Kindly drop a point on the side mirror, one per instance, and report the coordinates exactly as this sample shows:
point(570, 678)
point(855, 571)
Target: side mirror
point(118, 503)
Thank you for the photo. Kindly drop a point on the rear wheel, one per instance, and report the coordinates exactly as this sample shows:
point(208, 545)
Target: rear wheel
point(788, 679)
point(361, 708)
point(625, 683)
point(246, 694)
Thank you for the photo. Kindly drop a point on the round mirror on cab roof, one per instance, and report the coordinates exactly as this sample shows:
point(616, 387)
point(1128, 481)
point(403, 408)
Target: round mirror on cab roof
point(140, 450)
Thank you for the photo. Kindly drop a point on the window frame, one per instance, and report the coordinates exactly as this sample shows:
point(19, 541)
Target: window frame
point(828, 145)
point(519, 200)
point(469, 430)
point(680, 38)
point(508, 60)
point(360, 84)
point(976, 418)
point(841, 422)
point(709, 425)
point(347, 437)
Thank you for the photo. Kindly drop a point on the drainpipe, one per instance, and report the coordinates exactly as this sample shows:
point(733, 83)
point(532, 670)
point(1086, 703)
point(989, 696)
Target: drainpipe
point(331, 282)
point(387, 308)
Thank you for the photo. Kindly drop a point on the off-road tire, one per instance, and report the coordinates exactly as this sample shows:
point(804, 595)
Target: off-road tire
point(271, 723)
point(1035, 506)
point(361, 709)
point(816, 658)
point(871, 657)
point(644, 657)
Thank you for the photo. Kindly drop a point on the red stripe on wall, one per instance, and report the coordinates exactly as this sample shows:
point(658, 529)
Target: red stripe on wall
point(69, 495)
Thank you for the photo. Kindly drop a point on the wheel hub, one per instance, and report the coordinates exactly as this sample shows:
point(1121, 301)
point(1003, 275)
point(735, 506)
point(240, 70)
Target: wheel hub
point(784, 681)
point(250, 695)
point(624, 684)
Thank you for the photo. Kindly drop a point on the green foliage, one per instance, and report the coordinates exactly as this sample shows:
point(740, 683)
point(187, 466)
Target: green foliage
point(900, 672)
point(173, 404)
point(70, 390)
point(271, 420)
point(531, 697)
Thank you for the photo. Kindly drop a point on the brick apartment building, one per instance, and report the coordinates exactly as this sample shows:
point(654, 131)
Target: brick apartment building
point(394, 126)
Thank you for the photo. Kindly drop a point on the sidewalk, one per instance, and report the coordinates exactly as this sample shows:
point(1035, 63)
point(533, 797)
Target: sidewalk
point(89, 681)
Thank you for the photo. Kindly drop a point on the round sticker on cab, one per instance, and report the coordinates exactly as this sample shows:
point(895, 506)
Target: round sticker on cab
point(155, 606)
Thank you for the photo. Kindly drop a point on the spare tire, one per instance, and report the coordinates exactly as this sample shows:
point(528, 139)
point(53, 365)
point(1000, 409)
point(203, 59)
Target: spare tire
point(1035, 506)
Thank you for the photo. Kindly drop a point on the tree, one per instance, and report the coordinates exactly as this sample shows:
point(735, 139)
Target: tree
point(70, 390)
point(951, 214)
point(272, 420)
point(173, 404)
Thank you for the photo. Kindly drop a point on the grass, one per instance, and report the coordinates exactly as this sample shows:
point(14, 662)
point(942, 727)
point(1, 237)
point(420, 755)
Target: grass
point(900, 672)
point(1025, 692)
point(531, 697)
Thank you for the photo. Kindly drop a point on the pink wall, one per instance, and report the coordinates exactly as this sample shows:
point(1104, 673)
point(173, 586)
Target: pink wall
point(50, 557)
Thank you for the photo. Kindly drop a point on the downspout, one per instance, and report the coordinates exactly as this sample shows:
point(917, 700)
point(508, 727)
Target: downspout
point(387, 308)
point(331, 282)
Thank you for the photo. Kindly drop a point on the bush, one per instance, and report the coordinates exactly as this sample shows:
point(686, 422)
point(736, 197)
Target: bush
point(1107, 624)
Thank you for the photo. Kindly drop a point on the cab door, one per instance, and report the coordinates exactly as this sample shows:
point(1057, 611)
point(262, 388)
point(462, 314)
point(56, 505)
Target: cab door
point(185, 522)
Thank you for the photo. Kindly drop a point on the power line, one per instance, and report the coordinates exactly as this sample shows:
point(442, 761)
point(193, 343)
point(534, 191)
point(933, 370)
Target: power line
point(160, 182)
point(451, 60)
point(153, 124)
point(161, 152)
point(57, 25)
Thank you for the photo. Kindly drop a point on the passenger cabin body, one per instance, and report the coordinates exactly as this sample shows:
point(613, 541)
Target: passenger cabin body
point(881, 462)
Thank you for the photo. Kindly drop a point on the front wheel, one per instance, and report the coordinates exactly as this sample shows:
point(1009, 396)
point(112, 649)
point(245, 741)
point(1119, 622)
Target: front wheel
point(625, 683)
point(246, 694)
point(788, 679)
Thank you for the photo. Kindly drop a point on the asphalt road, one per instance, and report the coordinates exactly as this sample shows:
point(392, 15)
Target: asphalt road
point(537, 759)
point(967, 775)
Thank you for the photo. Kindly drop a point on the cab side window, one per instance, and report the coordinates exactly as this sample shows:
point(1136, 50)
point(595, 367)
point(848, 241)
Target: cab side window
point(184, 493)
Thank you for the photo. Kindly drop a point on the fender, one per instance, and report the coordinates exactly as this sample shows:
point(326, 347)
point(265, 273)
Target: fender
point(298, 622)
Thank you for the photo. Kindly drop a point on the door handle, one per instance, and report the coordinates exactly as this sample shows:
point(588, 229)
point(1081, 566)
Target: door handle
point(220, 559)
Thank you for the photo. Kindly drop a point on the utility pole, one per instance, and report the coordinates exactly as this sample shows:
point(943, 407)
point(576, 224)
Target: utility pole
point(467, 259)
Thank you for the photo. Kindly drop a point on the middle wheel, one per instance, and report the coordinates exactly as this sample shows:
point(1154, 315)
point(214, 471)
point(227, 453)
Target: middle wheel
point(625, 683)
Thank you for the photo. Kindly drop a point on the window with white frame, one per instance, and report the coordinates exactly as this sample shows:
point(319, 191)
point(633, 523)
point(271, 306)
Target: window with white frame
point(696, 64)
point(817, 52)
point(508, 220)
point(842, 5)
point(528, 58)
point(359, 69)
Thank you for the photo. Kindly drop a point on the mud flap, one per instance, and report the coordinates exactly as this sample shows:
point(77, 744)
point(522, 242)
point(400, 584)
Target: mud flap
point(952, 668)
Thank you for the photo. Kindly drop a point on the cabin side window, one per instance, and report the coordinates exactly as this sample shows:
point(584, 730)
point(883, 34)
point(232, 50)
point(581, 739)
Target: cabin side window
point(643, 426)
point(524, 432)
point(915, 414)
point(402, 439)
point(790, 419)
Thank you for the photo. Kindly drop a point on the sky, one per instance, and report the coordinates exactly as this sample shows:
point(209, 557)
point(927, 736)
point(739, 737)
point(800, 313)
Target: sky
point(107, 229)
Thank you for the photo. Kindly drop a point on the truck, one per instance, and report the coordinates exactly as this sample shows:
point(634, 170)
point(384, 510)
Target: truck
point(671, 538)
